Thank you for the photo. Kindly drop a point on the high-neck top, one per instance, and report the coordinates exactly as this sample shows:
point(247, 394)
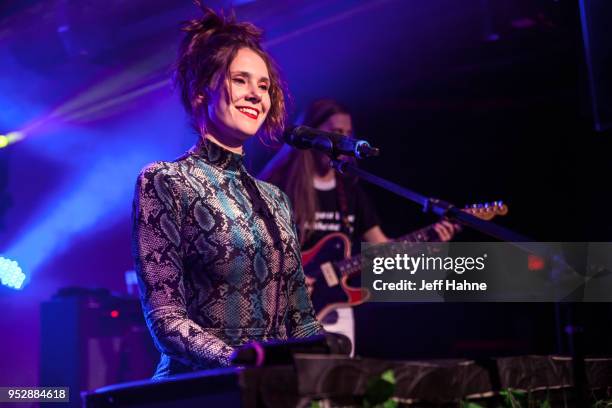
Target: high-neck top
point(217, 156)
point(217, 259)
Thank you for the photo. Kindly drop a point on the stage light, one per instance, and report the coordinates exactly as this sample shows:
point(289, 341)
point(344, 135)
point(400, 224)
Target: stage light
point(535, 263)
point(11, 274)
point(9, 138)
point(85, 204)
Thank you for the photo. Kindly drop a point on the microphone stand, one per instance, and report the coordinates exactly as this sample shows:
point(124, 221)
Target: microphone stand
point(445, 209)
point(441, 208)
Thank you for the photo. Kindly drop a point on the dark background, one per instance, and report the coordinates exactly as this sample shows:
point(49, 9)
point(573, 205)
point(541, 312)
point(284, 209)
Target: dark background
point(469, 101)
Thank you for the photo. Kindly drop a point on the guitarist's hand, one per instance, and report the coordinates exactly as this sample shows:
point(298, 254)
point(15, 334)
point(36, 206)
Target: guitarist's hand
point(446, 230)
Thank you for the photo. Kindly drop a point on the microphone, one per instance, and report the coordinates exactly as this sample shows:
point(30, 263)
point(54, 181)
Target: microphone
point(335, 144)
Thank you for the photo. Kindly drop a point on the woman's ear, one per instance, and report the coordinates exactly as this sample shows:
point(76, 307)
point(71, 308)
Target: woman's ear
point(200, 104)
point(200, 110)
point(199, 101)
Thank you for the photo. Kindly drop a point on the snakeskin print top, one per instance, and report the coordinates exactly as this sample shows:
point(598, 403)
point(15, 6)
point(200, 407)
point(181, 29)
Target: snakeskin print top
point(217, 259)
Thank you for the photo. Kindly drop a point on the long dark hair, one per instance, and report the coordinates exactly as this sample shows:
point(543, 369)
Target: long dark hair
point(205, 54)
point(293, 170)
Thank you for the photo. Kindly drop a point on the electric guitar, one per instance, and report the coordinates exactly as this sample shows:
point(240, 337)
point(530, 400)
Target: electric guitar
point(330, 266)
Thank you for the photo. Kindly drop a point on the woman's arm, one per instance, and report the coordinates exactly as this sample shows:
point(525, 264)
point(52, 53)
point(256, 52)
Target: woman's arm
point(157, 253)
point(302, 318)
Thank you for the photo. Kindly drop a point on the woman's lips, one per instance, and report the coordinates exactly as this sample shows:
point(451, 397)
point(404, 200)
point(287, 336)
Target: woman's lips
point(248, 111)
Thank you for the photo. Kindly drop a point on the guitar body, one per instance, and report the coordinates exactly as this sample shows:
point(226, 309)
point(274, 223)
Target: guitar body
point(332, 269)
point(331, 287)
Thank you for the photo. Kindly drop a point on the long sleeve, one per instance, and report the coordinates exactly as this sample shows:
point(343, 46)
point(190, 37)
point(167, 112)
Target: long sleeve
point(302, 318)
point(159, 266)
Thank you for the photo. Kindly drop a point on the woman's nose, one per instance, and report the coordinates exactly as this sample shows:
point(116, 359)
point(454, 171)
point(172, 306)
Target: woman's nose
point(253, 95)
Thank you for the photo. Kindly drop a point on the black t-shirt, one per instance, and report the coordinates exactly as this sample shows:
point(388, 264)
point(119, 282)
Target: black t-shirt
point(361, 215)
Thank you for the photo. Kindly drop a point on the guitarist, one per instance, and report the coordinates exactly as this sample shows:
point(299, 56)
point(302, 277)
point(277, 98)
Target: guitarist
point(325, 202)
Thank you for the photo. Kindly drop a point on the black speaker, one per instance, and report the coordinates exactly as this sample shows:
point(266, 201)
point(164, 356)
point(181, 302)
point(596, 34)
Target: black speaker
point(91, 338)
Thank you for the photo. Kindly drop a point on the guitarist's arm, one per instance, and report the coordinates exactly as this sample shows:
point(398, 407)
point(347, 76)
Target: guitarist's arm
point(375, 235)
point(445, 230)
point(367, 223)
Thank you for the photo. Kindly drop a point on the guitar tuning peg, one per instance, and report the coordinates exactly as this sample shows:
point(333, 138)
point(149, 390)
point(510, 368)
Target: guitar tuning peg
point(486, 205)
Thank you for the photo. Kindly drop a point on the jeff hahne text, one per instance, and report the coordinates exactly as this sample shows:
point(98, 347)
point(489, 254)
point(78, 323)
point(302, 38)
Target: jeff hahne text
point(422, 263)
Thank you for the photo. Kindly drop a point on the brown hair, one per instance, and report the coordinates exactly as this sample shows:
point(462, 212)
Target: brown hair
point(205, 54)
point(293, 170)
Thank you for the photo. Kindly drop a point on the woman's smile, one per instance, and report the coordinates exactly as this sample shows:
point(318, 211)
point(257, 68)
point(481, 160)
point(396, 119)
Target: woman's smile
point(248, 111)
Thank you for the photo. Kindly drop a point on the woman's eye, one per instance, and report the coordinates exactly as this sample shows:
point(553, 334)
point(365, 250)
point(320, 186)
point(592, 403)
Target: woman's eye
point(263, 87)
point(239, 81)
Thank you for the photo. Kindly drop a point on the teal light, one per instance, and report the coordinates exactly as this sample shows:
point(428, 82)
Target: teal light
point(11, 274)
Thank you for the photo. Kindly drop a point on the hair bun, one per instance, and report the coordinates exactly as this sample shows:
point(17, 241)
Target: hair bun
point(208, 24)
point(212, 23)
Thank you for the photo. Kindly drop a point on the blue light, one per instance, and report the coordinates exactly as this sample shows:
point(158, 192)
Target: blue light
point(99, 193)
point(89, 202)
point(11, 274)
point(98, 185)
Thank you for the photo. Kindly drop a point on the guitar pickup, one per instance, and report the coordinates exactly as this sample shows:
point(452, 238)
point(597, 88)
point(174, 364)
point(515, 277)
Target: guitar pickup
point(329, 273)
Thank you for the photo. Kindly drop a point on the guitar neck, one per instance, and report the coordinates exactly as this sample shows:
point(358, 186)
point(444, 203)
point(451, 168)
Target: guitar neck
point(427, 234)
point(353, 264)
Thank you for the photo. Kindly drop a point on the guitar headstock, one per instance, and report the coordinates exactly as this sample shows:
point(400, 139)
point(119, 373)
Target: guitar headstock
point(487, 211)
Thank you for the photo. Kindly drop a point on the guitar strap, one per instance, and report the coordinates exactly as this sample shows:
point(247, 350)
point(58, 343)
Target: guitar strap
point(343, 204)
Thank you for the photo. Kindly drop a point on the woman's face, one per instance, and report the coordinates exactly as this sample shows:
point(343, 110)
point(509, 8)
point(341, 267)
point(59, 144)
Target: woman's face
point(240, 105)
point(338, 123)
